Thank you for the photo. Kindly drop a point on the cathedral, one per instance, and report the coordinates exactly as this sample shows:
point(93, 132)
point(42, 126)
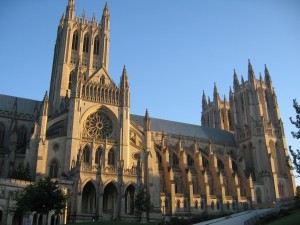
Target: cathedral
point(83, 134)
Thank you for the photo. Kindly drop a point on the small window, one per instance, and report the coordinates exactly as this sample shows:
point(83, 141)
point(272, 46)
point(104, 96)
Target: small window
point(86, 42)
point(96, 45)
point(196, 204)
point(75, 41)
point(86, 155)
point(190, 161)
point(111, 157)
point(53, 172)
point(102, 80)
point(22, 136)
point(70, 80)
point(212, 205)
point(98, 155)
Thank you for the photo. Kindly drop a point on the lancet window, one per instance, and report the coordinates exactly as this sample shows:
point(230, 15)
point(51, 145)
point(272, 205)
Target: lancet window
point(53, 170)
point(86, 154)
point(96, 45)
point(98, 155)
point(111, 157)
point(86, 41)
point(75, 41)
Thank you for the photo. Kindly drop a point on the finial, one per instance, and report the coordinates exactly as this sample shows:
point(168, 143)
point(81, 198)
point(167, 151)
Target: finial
point(83, 14)
point(46, 96)
point(93, 17)
point(147, 114)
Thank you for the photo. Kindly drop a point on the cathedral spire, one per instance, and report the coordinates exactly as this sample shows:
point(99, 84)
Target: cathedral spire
point(236, 83)
point(147, 122)
point(216, 93)
point(124, 79)
point(105, 17)
point(268, 77)
point(231, 95)
point(251, 75)
point(105, 37)
point(70, 11)
point(44, 106)
point(204, 102)
point(124, 88)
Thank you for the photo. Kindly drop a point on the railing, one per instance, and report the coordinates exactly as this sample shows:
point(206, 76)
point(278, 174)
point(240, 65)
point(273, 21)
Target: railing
point(256, 218)
point(101, 93)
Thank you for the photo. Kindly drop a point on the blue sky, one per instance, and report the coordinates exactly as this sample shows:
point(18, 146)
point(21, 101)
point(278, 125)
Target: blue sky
point(172, 49)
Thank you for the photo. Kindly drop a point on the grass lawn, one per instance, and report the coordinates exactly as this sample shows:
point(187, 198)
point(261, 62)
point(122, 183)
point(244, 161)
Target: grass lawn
point(293, 219)
point(111, 223)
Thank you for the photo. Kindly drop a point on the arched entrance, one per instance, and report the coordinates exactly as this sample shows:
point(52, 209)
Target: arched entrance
point(129, 199)
point(89, 198)
point(34, 219)
point(17, 219)
point(110, 200)
point(258, 195)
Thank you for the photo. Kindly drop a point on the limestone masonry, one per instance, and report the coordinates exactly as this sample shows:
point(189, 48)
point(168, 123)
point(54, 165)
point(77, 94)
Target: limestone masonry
point(83, 134)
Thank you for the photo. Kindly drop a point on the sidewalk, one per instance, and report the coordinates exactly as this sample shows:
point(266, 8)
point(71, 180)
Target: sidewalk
point(237, 219)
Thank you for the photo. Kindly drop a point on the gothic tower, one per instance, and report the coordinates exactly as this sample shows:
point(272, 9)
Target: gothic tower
point(253, 116)
point(78, 39)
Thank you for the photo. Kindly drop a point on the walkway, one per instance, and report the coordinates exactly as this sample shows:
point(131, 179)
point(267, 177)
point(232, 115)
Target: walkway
point(239, 218)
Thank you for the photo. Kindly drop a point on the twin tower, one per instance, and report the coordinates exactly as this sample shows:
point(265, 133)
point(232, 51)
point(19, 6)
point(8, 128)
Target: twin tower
point(252, 114)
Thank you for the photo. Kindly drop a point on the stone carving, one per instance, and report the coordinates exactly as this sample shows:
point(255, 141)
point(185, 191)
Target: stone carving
point(98, 125)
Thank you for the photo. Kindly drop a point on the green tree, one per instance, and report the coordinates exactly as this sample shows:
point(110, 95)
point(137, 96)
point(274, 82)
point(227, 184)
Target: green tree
point(142, 203)
point(22, 172)
point(42, 197)
point(296, 154)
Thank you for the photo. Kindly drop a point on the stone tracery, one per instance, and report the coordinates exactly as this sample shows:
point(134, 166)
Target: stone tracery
point(98, 125)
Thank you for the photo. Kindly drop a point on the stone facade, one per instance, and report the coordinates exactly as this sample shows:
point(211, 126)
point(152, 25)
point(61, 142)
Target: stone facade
point(84, 135)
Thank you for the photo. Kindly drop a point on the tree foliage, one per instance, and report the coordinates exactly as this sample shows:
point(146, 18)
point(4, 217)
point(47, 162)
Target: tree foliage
point(142, 202)
point(296, 154)
point(42, 197)
point(22, 172)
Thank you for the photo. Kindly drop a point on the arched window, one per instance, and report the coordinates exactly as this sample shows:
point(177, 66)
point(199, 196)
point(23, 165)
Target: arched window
point(280, 189)
point(70, 80)
point(178, 204)
point(102, 80)
point(175, 160)
point(53, 171)
point(86, 154)
point(98, 155)
point(86, 41)
point(96, 45)
point(234, 167)
point(258, 195)
point(2, 134)
point(196, 204)
point(190, 160)
point(220, 165)
point(111, 157)
point(212, 206)
point(218, 205)
point(75, 41)
point(229, 118)
point(205, 163)
point(159, 158)
point(242, 103)
point(202, 204)
point(22, 135)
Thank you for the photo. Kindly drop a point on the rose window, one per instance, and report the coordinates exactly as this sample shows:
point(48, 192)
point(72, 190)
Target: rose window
point(98, 125)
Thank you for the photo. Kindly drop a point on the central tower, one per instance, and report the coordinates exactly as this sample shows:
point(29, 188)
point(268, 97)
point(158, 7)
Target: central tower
point(78, 40)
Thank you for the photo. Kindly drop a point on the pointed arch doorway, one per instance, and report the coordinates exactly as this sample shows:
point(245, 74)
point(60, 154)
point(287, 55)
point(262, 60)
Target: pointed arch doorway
point(110, 201)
